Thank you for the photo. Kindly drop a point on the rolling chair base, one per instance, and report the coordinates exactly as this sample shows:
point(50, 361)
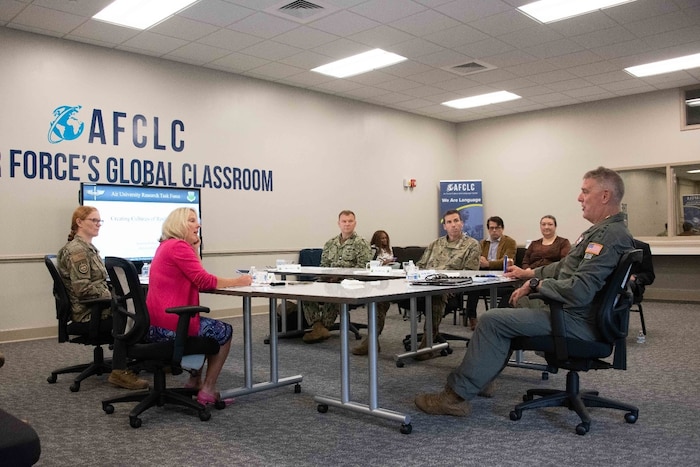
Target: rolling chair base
point(98, 366)
point(573, 399)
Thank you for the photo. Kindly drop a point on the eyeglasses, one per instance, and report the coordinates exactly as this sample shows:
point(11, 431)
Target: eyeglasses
point(496, 227)
point(95, 221)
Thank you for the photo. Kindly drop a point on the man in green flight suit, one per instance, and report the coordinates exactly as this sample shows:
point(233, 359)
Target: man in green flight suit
point(574, 280)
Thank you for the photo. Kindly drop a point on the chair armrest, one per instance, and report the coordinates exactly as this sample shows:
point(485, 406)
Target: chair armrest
point(556, 315)
point(185, 313)
point(96, 305)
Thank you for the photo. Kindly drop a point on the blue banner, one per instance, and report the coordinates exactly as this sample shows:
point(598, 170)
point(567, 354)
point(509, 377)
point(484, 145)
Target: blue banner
point(466, 197)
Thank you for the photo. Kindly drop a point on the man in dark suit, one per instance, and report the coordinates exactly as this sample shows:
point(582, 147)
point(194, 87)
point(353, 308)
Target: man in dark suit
point(642, 274)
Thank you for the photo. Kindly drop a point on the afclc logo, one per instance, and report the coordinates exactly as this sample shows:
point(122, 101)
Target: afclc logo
point(65, 126)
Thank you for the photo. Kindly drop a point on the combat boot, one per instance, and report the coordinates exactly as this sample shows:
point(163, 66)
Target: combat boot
point(318, 333)
point(363, 348)
point(446, 402)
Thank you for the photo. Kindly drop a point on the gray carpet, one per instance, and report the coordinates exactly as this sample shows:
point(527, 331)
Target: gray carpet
point(280, 427)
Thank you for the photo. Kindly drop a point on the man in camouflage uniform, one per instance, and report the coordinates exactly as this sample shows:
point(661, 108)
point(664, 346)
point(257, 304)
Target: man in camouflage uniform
point(347, 250)
point(575, 280)
point(455, 251)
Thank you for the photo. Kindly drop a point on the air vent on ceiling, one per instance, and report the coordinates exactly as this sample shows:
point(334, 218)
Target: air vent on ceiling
point(301, 10)
point(469, 68)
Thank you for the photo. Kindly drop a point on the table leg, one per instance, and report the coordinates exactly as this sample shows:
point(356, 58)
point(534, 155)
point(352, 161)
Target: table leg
point(274, 381)
point(373, 407)
point(413, 314)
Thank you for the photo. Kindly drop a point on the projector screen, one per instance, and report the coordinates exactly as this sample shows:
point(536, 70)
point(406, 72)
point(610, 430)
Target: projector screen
point(133, 216)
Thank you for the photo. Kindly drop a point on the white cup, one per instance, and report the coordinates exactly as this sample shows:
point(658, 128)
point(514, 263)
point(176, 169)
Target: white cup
point(373, 264)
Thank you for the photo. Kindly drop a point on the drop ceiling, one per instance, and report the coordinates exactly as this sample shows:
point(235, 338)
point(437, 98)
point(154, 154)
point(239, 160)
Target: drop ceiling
point(454, 48)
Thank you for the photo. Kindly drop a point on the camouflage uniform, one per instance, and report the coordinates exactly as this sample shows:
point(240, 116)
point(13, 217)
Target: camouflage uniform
point(575, 280)
point(352, 253)
point(443, 254)
point(84, 275)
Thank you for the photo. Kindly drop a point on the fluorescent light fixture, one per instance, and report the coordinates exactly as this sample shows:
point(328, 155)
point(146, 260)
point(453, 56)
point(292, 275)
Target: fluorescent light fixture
point(360, 63)
point(549, 11)
point(483, 99)
point(140, 14)
point(696, 171)
point(693, 102)
point(665, 66)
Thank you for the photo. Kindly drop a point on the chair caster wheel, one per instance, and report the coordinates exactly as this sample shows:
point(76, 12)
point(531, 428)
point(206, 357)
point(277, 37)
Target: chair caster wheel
point(108, 408)
point(135, 422)
point(545, 376)
point(322, 408)
point(218, 405)
point(582, 428)
point(205, 415)
point(297, 388)
point(399, 364)
point(406, 428)
point(52, 379)
point(631, 417)
point(75, 387)
point(515, 415)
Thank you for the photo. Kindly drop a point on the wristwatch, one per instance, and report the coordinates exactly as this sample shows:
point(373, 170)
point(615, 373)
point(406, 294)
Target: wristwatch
point(534, 282)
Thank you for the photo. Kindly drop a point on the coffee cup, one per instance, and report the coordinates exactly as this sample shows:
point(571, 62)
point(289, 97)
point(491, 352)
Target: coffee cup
point(373, 264)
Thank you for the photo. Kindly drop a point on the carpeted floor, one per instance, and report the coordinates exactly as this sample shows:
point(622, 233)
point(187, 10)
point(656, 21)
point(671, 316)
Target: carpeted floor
point(280, 427)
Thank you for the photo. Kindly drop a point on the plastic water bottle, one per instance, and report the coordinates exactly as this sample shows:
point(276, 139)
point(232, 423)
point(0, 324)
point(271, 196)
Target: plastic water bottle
point(641, 338)
point(145, 269)
point(252, 272)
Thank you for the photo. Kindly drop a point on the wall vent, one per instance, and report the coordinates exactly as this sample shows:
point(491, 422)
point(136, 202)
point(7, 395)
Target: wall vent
point(300, 10)
point(469, 68)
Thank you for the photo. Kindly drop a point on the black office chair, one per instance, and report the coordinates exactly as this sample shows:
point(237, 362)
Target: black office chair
point(612, 306)
point(644, 273)
point(131, 323)
point(96, 332)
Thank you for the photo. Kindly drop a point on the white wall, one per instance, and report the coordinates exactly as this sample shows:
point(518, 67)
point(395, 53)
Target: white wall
point(326, 154)
point(532, 163)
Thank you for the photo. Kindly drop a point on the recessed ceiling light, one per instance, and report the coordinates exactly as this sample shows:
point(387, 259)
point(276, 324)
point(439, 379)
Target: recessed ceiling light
point(548, 11)
point(665, 66)
point(483, 99)
point(140, 14)
point(360, 63)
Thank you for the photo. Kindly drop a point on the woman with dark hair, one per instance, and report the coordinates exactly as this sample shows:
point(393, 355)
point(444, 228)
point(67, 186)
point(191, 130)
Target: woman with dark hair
point(381, 247)
point(548, 249)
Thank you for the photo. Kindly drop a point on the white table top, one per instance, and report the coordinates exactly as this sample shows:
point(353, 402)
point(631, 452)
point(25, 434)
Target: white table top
point(354, 292)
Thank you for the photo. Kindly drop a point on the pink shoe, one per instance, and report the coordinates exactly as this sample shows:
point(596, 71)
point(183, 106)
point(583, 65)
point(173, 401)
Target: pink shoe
point(205, 398)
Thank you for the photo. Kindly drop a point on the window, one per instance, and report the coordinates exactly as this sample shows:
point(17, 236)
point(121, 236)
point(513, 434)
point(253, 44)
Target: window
point(663, 201)
point(690, 108)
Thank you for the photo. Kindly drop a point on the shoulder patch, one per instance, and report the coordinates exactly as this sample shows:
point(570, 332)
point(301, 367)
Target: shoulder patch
point(83, 267)
point(594, 248)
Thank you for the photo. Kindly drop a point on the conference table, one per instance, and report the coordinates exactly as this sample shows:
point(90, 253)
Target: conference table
point(345, 293)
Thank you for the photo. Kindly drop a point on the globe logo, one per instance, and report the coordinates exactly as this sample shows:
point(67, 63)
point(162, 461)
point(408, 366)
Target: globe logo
point(65, 126)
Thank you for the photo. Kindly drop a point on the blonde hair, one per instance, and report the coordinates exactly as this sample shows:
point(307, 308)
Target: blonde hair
point(175, 225)
point(82, 213)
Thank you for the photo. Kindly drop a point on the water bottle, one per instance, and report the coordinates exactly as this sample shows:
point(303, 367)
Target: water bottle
point(252, 272)
point(641, 338)
point(145, 269)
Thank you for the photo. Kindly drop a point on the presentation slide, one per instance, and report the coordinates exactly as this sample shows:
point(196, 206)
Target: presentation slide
point(133, 216)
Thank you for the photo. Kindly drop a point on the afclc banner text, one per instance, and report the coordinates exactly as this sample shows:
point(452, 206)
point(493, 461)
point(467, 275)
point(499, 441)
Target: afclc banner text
point(464, 196)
